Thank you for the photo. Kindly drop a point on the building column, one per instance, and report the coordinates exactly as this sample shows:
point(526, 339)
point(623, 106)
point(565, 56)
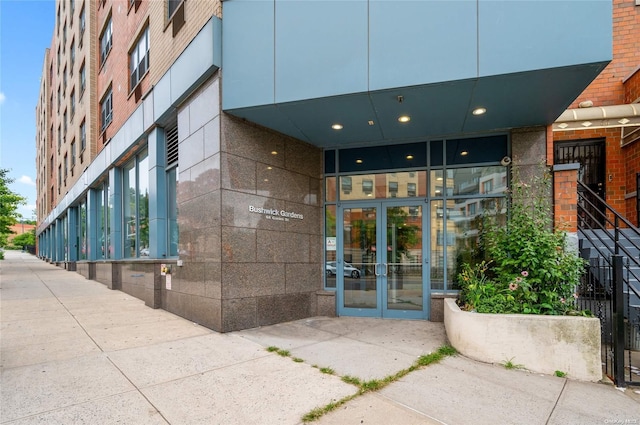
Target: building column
point(92, 225)
point(565, 195)
point(157, 186)
point(72, 229)
point(115, 218)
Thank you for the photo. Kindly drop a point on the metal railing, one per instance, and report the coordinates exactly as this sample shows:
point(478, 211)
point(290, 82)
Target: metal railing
point(610, 288)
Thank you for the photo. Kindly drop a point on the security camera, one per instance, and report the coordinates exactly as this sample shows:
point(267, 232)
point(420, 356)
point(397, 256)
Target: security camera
point(505, 161)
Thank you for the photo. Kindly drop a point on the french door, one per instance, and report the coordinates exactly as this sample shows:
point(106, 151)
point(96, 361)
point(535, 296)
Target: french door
point(380, 268)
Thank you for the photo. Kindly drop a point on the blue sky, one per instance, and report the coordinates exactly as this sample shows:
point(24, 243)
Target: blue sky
point(26, 29)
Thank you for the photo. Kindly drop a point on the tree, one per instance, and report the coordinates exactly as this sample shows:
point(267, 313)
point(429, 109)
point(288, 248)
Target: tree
point(25, 239)
point(9, 202)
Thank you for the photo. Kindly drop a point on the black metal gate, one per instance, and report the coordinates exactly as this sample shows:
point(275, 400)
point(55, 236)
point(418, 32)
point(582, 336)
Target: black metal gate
point(590, 154)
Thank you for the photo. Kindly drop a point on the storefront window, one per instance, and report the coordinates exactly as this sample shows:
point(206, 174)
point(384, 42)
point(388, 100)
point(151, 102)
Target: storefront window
point(407, 184)
point(82, 227)
point(330, 244)
point(136, 207)
point(455, 228)
point(172, 211)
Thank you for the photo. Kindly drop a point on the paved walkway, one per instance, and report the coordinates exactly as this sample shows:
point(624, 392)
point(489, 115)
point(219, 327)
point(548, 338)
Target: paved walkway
point(75, 352)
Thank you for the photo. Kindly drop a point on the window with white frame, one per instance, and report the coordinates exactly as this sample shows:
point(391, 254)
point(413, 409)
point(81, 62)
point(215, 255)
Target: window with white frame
point(105, 41)
point(73, 154)
point(106, 110)
point(83, 79)
point(139, 59)
point(83, 136)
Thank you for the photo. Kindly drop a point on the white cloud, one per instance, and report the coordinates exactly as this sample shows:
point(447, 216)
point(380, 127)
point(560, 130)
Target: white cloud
point(2, 98)
point(27, 180)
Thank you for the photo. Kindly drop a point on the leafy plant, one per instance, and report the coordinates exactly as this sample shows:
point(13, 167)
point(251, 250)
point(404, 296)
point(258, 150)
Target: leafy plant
point(509, 364)
point(560, 374)
point(528, 267)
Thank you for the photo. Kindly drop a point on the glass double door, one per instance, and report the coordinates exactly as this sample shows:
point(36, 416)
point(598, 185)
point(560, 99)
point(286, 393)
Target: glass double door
point(380, 260)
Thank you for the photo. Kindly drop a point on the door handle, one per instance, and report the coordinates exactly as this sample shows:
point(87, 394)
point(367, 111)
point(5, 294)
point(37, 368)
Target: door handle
point(386, 269)
point(375, 269)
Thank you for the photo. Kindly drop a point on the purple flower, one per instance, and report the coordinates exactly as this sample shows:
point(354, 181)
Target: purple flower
point(524, 273)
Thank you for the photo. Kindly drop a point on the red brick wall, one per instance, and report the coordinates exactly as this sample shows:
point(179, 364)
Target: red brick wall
point(615, 178)
point(565, 194)
point(607, 89)
point(631, 155)
point(632, 87)
point(127, 24)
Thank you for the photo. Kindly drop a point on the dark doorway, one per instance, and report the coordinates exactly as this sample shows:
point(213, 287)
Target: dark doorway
point(590, 154)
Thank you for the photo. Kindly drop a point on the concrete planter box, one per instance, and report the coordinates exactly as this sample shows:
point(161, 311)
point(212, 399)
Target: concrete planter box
point(542, 344)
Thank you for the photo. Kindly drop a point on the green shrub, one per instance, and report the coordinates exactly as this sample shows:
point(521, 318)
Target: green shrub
point(527, 267)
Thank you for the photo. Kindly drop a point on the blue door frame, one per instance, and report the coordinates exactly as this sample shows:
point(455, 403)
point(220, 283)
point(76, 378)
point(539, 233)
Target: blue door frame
point(370, 283)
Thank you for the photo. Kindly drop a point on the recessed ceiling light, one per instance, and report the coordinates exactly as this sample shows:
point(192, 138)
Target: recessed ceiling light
point(563, 125)
point(479, 111)
point(437, 191)
point(587, 124)
point(266, 180)
point(359, 161)
point(409, 157)
point(269, 168)
point(439, 179)
point(464, 153)
point(371, 122)
point(369, 194)
point(274, 152)
point(404, 118)
point(337, 126)
point(623, 121)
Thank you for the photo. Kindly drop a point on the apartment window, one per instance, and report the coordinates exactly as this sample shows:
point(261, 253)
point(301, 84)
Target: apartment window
point(59, 138)
point(59, 98)
point(411, 189)
point(64, 80)
point(139, 59)
point(73, 154)
point(83, 77)
point(64, 37)
point(175, 14)
point(59, 60)
point(64, 123)
point(66, 168)
point(59, 177)
point(83, 136)
point(73, 56)
point(487, 186)
point(106, 110)
point(82, 23)
point(58, 20)
point(105, 42)
point(172, 6)
point(72, 101)
point(72, 7)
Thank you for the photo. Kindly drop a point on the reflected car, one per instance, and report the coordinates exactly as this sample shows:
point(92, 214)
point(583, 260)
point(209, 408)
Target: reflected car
point(349, 270)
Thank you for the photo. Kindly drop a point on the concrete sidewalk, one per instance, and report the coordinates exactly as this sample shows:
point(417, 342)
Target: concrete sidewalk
point(75, 352)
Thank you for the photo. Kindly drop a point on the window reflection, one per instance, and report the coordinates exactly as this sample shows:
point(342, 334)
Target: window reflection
point(382, 186)
point(455, 229)
point(469, 181)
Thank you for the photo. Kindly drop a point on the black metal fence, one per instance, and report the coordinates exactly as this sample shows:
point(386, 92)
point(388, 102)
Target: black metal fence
point(610, 288)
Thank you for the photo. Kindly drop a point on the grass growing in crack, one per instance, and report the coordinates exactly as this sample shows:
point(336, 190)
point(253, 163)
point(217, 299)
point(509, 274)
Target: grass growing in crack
point(560, 374)
point(327, 370)
point(509, 364)
point(297, 359)
point(280, 352)
point(377, 384)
